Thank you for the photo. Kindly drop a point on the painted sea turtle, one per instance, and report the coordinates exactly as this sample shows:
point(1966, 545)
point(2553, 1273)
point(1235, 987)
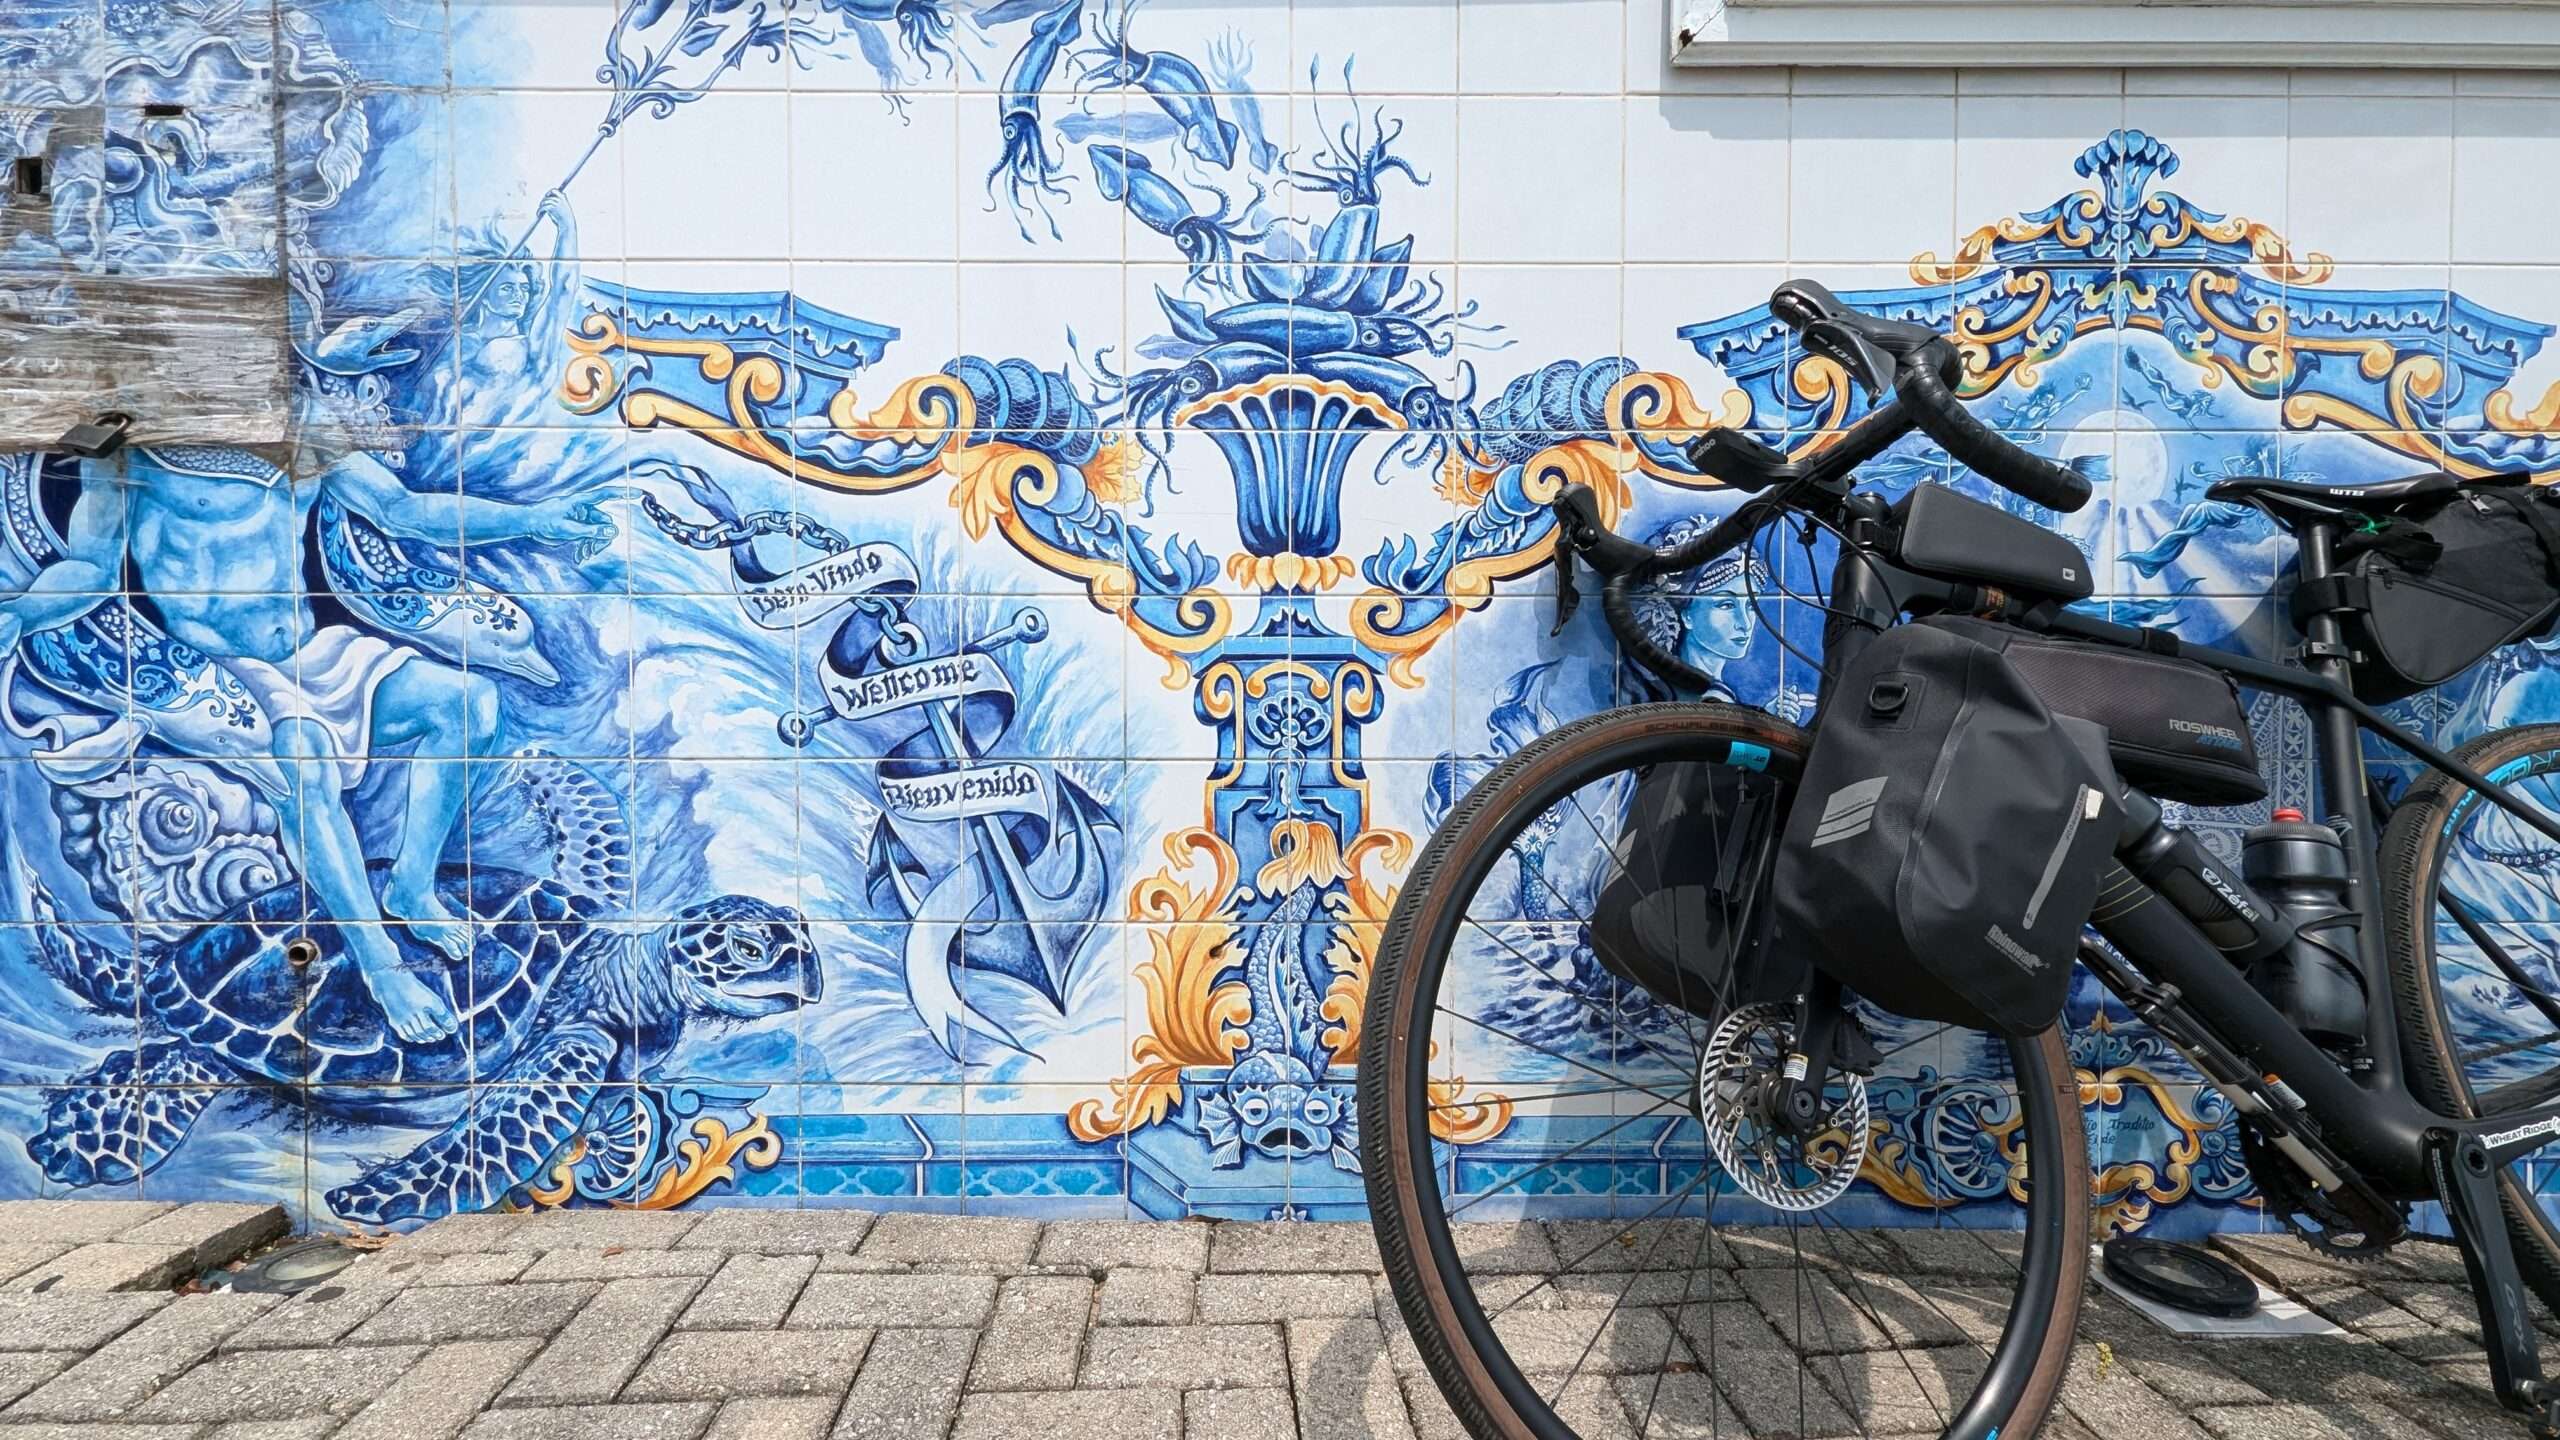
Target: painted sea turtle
point(557, 1012)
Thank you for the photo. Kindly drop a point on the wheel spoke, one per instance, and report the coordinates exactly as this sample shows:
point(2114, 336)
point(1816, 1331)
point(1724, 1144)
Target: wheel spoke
point(1555, 1054)
point(1539, 962)
point(1633, 1276)
point(2492, 1052)
point(1667, 1057)
point(1561, 1156)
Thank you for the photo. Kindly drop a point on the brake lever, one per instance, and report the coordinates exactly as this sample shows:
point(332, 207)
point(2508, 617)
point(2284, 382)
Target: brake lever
point(1849, 347)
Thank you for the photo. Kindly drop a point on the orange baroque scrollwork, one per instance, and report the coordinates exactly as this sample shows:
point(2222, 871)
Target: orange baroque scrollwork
point(1192, 1018)
point(712, 1154)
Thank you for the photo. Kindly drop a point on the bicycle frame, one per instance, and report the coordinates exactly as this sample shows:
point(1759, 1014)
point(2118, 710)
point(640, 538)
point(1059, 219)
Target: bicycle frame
point(2368, 1114)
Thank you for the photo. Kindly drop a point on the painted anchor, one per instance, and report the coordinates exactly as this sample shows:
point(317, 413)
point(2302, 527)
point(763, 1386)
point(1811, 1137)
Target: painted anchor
point(1040, 876)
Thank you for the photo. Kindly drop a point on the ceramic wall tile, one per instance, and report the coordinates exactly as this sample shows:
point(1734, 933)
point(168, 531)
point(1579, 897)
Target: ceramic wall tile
point(928, 588)
point(1708, 178)
point(1870, 178)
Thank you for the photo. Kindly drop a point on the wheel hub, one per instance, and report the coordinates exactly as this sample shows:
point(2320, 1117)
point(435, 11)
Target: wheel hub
point(1792, 1162)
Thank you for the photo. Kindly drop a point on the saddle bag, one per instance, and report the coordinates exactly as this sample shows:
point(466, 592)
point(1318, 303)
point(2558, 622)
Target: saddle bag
point(2176, 730)
point(2422, 598)
point(1945, 844)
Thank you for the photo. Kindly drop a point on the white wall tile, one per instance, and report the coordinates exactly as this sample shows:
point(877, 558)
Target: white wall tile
point(1706, 177)
point(1404, 46)
point(729, 156)
point(2002, 140)
point(1543, 47)
point(2372, 178)
point(872, 182)
point(1540, 179)
point(2505, 209)
point(1871, 178)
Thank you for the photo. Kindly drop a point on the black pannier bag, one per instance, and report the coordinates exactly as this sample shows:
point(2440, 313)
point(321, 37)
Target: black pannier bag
point(1676, 914)
point(1945, 844)
point(2423, 597)
point(2176, 730)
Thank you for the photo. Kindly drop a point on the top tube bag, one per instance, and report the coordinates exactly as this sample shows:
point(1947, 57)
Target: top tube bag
point(2423, 598)
point(1944, 847)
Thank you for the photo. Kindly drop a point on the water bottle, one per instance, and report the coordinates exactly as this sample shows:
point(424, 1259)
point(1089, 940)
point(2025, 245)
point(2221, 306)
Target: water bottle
point(2316, 980)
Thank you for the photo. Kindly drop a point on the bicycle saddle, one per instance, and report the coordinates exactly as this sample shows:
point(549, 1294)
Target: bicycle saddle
point(2287, 500)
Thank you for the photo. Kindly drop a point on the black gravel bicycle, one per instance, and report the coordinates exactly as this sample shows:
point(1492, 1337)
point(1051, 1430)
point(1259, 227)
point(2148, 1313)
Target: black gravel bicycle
point(1564, 1271)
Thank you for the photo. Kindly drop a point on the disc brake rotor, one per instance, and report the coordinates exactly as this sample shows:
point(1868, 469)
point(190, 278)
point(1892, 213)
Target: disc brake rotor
point(1768, 1163)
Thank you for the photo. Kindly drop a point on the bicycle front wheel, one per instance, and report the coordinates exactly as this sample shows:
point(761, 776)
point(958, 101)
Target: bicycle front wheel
point(1586, 1230)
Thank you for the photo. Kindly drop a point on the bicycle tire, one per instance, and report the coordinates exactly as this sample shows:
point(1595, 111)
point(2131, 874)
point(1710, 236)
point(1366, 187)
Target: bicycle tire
point(2411, 861)
point(1456, 1343)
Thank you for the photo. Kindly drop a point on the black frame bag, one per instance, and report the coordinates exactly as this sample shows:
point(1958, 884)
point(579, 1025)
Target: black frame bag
point(2423, 597)
point(2176, 730)
point(1946, 841)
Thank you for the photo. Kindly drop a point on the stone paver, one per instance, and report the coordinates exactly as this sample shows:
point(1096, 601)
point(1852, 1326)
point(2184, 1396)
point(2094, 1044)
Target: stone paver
point(722, 1364)
point(1239, 1415)
point(1186, 1357)
point(1342, 1365)
point(440, 1395)
point(617, 1264)
point(594, 1422)
point(108, 1265)
point(780, 1232)
point(75, 1222)
point(24, 1370)
point(1144, 1297)
point(1126, 1245)
point(280, 1384)
point(1293, 1248)
point(455, 1234)
point(1071, 1415)
point(314, 1318)
point(774, 1418)
point(495, 1312)
point(749, 1292)
point(783, 1325)
point(19, 1257)
point(598, 1229)
point(1249, 1299)
point(911, 1238)
point(131, 1368)
point(870, 1302)
point(610, 1338)
point(217, 1231)
point(71, 1321)
point(910, 1384)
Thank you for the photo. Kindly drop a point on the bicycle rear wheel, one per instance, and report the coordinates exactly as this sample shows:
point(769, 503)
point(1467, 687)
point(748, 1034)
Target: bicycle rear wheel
point(2472, 898)
point(1584, 1229)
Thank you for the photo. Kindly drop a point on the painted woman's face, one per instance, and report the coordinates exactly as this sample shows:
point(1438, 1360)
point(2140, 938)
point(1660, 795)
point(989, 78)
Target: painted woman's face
point(1720, 623)
point(511, 294)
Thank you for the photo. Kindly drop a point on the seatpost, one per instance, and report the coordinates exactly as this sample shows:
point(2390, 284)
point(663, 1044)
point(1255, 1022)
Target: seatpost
point(2347, 803)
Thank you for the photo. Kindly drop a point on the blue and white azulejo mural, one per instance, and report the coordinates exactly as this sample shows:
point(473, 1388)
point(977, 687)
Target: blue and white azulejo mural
point(832, 698)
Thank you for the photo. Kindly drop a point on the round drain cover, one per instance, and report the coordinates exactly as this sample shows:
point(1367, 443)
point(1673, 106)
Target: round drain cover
point(2183, 1277)
point(292, 1269)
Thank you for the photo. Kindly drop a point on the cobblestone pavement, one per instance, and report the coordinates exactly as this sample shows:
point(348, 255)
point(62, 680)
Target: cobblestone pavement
point(783, 1324)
